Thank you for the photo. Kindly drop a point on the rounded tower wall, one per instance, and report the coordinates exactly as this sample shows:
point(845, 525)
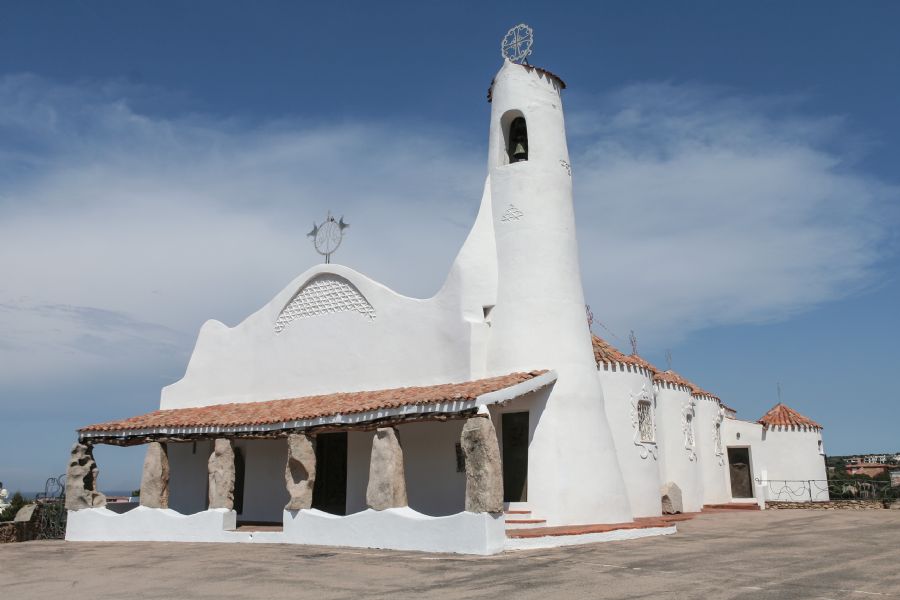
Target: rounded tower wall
point(624, 386)
point(539, 320)
point(680, 462)
point(713, 459)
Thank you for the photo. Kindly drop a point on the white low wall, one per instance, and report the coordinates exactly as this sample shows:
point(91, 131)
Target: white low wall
point(144, 524)
point(397, 529)
point(394, 529)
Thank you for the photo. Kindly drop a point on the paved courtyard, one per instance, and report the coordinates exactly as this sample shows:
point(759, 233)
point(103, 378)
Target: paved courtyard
point(741, 554)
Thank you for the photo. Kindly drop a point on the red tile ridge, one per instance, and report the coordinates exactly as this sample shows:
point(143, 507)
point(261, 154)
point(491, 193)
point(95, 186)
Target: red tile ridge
point(782, 415)
point(604, 352)
point(670, 376)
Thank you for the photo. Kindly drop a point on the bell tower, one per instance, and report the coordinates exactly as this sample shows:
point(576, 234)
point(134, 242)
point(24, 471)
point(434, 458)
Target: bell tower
point(539, 320)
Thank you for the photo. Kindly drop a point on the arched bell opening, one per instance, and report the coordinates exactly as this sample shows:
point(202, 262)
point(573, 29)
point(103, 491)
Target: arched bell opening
point(517, 148)
point(515, 136)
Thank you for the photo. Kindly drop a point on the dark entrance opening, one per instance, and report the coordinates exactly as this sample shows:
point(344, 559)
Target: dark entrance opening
point(515, 456)
point(330, 489)
point(741, 475)
point(239, 471)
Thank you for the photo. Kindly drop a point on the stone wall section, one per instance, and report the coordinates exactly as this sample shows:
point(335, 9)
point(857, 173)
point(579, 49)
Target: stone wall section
point(832, 505)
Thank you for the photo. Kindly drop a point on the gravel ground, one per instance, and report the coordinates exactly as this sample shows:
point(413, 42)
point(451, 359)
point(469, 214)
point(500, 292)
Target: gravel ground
point(740, 554)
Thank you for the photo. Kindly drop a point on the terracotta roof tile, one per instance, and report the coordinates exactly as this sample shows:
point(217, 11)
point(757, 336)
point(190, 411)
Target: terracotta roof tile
point(562, 84)
point(670, 376)
point(604, 352)
point(698, 391)
point(784, 416)
point(311, 407)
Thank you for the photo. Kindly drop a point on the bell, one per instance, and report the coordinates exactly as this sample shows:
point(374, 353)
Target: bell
point(519, 152)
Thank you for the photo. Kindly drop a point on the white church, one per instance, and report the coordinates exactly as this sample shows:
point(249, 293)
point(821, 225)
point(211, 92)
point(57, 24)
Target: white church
point(484, 418)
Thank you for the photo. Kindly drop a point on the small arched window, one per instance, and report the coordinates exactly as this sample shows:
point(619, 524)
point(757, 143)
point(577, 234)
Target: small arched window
point(517, 148)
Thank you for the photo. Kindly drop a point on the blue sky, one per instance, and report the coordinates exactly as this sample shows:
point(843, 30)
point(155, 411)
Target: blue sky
point(160, 163)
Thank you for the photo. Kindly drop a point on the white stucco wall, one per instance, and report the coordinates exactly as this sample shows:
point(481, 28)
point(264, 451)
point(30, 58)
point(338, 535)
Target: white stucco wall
point(623, 387)
point(713, 460)
point(265, 493)
point(539, 320)
point(433, 486)
point(783, 460)
point(678, 462)
point(188, 476)
point(418, 342)
point(793, 461)
point(743, 434)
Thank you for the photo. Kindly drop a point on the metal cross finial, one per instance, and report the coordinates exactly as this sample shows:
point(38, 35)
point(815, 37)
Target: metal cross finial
point(778, 385)
point(633, 339)
point(327, 236)
point(669, 360)
point(516, 44)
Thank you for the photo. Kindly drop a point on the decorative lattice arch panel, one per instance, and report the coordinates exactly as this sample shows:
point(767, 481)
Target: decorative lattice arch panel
point(323, 295)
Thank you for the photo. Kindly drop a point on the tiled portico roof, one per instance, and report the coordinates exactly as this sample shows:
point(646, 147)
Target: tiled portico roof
point(292, 410)
point(784, 416)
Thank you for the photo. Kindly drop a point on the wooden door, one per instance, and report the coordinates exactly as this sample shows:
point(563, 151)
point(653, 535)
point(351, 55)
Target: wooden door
point(741, 475)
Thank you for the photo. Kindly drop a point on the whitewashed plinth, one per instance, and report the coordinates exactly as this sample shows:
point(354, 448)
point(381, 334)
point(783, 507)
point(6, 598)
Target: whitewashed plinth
point(394, 529)
point(143, 524)
point(397, 529)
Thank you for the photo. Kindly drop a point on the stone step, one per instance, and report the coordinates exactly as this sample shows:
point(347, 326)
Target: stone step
point(518, 523)
point(733, 506)
point(565, 530)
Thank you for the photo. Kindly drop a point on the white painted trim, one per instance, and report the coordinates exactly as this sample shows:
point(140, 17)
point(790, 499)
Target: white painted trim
point(452, 406)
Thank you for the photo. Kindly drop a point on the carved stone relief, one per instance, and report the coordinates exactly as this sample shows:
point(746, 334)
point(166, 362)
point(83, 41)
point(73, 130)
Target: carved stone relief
point(643, 422)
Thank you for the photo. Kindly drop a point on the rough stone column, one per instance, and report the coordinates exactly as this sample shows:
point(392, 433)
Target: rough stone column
point(300, 471)
point(221, 475)
point(155, 477)
point(387, 479)
point(484, 471)
point(671, 498)
point(81, 479)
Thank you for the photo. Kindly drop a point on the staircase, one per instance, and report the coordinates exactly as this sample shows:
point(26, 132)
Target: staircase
point(520, 517)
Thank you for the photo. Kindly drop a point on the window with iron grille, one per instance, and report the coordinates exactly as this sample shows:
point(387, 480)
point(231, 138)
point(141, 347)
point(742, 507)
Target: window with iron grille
point(645, 420)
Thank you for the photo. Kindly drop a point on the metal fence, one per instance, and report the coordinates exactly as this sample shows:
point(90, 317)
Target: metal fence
point(822, 490)
point(50, 520)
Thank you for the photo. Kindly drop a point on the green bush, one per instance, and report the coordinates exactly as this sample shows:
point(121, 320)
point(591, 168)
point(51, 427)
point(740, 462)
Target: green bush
point(16, 502)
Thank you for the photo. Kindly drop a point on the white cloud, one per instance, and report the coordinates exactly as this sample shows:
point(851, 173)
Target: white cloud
point(697, 209)
point(120, 232)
